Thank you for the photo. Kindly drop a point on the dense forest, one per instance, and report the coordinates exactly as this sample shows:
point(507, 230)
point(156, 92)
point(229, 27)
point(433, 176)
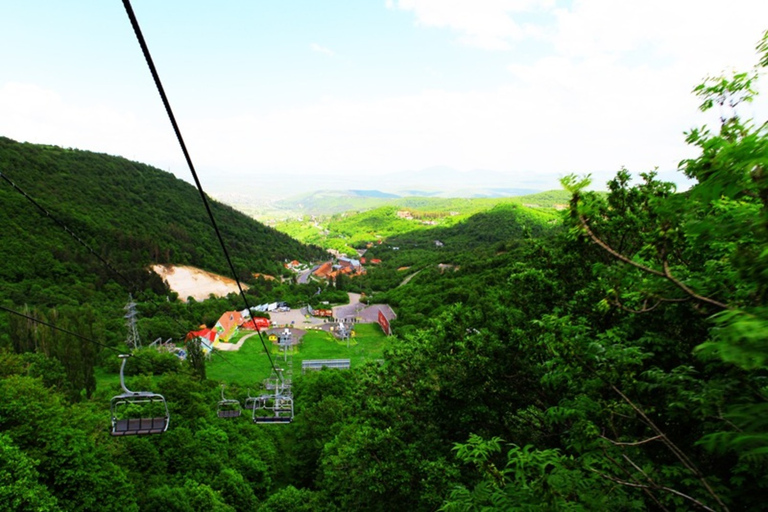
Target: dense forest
point(613, 360)
point(133, 213)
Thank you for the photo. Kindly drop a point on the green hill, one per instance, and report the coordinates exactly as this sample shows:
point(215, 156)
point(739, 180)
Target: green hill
point(349, 230)
point(131, 213)
point(325, 203)
point(473, 246)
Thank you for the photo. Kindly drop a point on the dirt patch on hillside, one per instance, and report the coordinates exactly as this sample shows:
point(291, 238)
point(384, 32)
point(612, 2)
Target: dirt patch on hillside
point(194, 282)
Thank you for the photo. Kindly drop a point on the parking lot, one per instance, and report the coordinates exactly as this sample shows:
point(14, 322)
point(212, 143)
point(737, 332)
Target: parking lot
point(296, 317)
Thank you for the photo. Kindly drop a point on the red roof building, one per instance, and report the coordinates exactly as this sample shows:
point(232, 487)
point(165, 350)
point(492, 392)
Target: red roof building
point(256, 324)
point(292, 264)
point(324, 269)
point(207, 338)
point(227, 324)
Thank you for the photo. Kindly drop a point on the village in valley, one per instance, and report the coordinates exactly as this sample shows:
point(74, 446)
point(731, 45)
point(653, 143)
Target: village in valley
point(275, 322)
point(234, 327)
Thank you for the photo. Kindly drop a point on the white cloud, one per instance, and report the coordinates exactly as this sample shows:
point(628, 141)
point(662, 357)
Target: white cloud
point(702, 30)
point(30, 113)
point(527, 131)
point(611, 89)
point(486, 24)
point(322, 49)
point(685, 32)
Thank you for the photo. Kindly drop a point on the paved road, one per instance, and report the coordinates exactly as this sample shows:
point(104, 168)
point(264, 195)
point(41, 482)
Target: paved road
point(351, 309)
point(297, 316)
point(230, 347)
point(304, 275)
point(366, 314)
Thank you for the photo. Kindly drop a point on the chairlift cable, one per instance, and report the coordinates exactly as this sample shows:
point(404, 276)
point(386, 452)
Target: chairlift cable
point(177, 130)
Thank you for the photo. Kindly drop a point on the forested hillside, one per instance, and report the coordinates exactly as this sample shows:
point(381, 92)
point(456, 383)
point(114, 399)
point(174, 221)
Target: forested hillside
point(131, 215)
point(429, 216)
point(613, 360)
point(134, 214)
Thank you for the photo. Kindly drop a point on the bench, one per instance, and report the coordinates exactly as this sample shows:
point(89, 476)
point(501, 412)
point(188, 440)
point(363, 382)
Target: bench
point(319, 364)
point(139, 426)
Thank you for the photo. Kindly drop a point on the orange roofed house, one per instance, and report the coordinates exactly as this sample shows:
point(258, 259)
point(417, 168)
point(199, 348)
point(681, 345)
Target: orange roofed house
point(324, 270)
point(227, 324)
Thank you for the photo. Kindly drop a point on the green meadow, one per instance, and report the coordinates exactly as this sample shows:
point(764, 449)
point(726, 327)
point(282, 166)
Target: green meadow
point(249, 366)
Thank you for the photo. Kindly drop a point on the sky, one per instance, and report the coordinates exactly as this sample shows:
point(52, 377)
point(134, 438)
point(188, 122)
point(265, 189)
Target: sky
point(301, 91)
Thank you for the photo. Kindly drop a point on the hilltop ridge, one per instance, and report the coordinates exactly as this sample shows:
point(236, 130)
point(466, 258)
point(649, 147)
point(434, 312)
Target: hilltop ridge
point(131, 213)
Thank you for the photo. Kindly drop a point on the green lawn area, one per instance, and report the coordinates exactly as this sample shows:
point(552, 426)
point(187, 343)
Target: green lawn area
point(249, 366)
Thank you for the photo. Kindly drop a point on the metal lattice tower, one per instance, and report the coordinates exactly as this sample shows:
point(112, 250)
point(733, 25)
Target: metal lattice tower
point(132, 340)
point(285, 341)
point(343, 332)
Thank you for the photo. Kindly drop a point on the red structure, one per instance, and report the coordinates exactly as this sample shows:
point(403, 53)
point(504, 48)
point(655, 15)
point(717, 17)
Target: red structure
point(384, 323)
point(256, 324)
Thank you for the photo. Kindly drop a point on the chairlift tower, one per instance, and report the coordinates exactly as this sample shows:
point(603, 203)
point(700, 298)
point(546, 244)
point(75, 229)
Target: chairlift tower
point(278, 399)
point(285, 341)
point(343, 332)
point(132, 340)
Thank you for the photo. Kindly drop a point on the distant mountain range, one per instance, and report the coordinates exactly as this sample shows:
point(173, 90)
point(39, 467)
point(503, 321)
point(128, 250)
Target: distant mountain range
point(438, 181)
point(329, 202)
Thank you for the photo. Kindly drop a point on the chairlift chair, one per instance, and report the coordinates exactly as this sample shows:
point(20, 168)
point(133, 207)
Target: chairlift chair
point(280, 411)
point(279, 405)
point(277, 382)
point(124, 406)
point(252, 401)
point(228, 408)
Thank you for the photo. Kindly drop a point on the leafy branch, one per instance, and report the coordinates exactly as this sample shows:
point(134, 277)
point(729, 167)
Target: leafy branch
point(667, 274)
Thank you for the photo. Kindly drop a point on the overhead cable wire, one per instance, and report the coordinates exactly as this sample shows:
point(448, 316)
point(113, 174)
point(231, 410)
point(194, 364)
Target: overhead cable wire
point(131, 285)
point(177, 130)
point(72, 333)
point(48, 214)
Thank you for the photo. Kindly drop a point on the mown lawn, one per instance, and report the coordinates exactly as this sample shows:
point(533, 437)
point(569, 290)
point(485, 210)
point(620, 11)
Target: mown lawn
point(249, 366)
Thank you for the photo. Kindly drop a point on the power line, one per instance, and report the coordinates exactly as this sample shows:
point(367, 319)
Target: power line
point(172, 118)
point(71, 333)
point(131, 285)
point(54, 327)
